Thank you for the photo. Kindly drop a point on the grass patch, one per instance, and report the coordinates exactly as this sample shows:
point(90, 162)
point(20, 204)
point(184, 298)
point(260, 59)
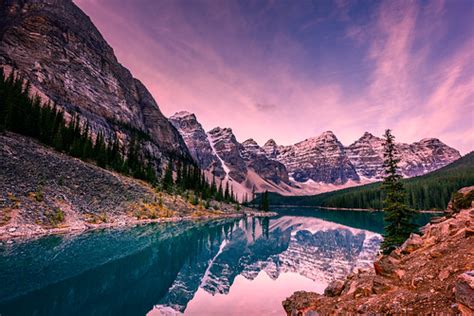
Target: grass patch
point(97, 218)
point(5, 215)
point(150, 210)
point(55, 216)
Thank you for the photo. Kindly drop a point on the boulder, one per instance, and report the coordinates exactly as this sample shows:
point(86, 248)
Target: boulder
point(465, 289)
point(412, 243)
point(301, 303)
point(334, 288)
point(385, 266)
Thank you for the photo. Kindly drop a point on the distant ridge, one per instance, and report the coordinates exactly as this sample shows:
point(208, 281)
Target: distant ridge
point(430, 191)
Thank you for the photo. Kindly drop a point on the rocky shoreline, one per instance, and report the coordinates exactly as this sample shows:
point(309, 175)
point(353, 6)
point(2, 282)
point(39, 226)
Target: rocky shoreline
point(429, 274)
point(10, 234)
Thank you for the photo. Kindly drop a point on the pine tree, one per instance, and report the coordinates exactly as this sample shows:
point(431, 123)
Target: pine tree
point(167, 182)
point(265, 203)
point(226, 192)
point(398, 216)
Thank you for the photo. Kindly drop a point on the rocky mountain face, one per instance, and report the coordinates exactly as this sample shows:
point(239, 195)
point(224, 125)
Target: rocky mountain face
point(266, 167)
point(321, 159)
point(56, 47)
point(366, 154)
point(228, 149)
point(198, 142)
point(219, 152)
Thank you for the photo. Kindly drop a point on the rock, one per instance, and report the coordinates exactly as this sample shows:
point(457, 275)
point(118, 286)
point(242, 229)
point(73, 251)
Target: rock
point(399, 273)
point(464, 310)
point(444, 274)
point(435, 254)
point(300, 302)
point(198, 142)
point(437, 219)
point(465, 289)
point(379, 285)
point(469, 232)
point(385, 266)
point(411, 244)
point(334, 288)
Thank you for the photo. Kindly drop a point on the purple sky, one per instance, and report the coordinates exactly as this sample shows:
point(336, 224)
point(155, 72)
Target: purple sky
point(290, 70)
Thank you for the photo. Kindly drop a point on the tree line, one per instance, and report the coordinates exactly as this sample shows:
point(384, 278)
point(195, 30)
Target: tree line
point(190, 177)
point(22, 114)
point(26, 115)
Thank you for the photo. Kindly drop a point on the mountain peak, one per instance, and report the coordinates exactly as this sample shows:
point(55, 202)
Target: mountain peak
point(250, 141)
point(367, 135)
point(183, 114)
point(219, 130)
point(327, 135)
point(270, 143)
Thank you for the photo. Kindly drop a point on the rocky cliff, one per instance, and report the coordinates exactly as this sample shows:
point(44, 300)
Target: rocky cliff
point(56, 47)
point(366, 154)
point(320, 159)
point(198, 143)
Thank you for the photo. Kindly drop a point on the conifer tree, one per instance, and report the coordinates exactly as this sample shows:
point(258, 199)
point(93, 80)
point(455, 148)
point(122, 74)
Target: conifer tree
point(265, 203)
point(226, 192)
point(168, 177)
point(398, 216)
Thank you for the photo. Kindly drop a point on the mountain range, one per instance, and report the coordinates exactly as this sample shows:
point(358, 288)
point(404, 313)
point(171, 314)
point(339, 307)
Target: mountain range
point(58, 50)
point(314, 165)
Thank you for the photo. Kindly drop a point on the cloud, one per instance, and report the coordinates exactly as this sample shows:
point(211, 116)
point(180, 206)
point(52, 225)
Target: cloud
point(265, 107)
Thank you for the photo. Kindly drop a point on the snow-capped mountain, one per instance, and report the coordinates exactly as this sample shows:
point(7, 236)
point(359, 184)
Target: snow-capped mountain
point(429, 154)
point(315, 165)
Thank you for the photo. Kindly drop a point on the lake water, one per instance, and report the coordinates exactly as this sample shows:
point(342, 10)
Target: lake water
point(220, 267)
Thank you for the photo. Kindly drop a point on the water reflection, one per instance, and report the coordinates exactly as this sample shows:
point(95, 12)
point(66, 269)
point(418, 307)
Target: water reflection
point(245, 265)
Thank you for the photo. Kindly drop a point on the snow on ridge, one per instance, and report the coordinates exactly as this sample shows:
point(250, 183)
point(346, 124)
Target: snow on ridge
point(224, 166)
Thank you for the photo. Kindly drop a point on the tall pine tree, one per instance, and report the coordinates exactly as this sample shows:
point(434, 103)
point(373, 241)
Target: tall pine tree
point(398, 216)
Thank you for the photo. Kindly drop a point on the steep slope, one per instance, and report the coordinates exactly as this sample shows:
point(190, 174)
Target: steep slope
point(55, 46)
point(44, 191)
point(228, 149)
point(366, 154)
point(197, 142)
point(268, 169)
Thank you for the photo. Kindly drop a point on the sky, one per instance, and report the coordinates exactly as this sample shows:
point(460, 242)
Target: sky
point(290, 70)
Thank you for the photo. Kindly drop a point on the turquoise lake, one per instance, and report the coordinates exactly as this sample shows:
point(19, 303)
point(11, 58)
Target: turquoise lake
point(219, 267)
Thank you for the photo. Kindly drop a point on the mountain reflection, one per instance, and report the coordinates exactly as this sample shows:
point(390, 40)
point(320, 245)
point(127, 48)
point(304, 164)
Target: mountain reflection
point(160, 268)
